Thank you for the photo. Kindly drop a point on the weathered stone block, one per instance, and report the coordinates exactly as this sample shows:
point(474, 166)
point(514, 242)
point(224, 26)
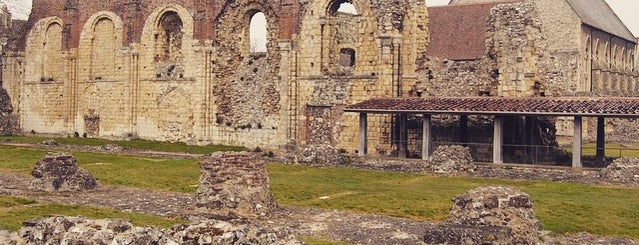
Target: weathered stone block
point(234, 184)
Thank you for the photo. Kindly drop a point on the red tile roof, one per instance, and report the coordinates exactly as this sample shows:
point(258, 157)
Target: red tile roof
point(458, 32)
point(556, 106)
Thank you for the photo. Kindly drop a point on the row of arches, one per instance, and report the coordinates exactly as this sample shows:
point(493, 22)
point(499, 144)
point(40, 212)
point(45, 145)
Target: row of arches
point(166, 34)
point(611, 56)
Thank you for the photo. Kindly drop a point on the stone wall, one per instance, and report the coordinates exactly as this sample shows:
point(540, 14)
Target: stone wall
point(235, 185)
point(8, 122)
point(78, 230)
point(119, 69)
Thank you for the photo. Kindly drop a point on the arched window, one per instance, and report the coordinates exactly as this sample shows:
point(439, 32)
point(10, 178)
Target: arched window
point(346, 7)
point(52, 56)
point(258, 33)
point(103, 50)
point(168, 39)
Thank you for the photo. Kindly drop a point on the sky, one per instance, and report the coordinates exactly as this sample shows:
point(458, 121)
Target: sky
point(627, 10)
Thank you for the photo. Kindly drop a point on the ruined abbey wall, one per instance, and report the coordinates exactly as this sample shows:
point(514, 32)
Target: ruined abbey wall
point(541, 48)
point(184, 70)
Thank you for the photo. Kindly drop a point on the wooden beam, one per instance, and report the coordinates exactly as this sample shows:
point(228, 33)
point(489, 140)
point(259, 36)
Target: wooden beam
point(498, 137)
point(577, 143)
point(363, 134)
point(427, 137)
point(601, 139)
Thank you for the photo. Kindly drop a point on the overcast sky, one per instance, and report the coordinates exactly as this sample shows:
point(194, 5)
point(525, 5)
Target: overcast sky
point(628, 10)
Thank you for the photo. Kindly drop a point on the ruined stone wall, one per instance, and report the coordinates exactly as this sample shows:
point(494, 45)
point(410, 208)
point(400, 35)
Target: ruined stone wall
point(384, 46)
point(183, 70)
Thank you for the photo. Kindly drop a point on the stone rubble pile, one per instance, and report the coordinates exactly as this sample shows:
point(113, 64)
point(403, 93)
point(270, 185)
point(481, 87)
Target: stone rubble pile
point(234, 185)
point(451, 159)
point(493, 215)
point(321, 154)
point(60, 172)
point(622, 171)
point(78, 230)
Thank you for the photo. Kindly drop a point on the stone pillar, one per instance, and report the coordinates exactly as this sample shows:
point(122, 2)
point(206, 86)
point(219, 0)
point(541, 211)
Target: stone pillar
point(601, 139)
point(427, 138)
point(363, 134)
point(498, 137)
point(577, 141)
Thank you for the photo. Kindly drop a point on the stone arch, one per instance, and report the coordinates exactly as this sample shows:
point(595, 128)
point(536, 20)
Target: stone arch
point(597, 52)
point(167, 39)
point(38, 53)
point(606, 56)
point(100, 39)
point(258, 32)
point(44, 51)
point(52, 53)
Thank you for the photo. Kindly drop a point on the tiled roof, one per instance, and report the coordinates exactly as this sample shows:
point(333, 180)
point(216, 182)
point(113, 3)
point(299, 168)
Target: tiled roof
point(458, 32)
point(556, 106)
point(598, 14)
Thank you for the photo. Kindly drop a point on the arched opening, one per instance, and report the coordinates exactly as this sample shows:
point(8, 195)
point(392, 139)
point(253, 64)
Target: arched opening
point(258, 33)
point(52, 56)
point(343, 28)
point(103, 50)
point(168, 40)
point(347, 8)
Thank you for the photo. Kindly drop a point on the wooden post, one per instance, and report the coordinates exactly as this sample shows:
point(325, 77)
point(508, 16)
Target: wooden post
point(601, 140)
point(427, 138)
point(576, 145)
point(363, 134)
point(463, 130)
point(498, 137)
point(403, 136)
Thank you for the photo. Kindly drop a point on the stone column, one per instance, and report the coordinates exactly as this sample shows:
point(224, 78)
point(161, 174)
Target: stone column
point(577, 141)
point(498, 137)
point(427, 138)
point(363, 134)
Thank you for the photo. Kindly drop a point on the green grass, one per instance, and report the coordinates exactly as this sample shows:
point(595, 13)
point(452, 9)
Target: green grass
point(612, 150)
point(313, 241)
point(19, 210)
point(561, 207)
point(142, 172)
point(145, 145)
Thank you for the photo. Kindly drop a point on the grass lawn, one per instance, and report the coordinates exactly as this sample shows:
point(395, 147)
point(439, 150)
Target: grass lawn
point(561, 207)
point(612, 150)
point(133, 144)
point(142, 172)
point(13, 211)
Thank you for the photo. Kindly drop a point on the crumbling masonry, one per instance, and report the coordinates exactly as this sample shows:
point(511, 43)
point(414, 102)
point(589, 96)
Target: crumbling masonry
point(184, 70)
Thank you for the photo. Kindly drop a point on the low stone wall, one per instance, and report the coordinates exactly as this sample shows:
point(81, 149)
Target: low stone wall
point(77, 230)
point(488, 215)
point(60, 172)
point(622, 171)
point(236, 185)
